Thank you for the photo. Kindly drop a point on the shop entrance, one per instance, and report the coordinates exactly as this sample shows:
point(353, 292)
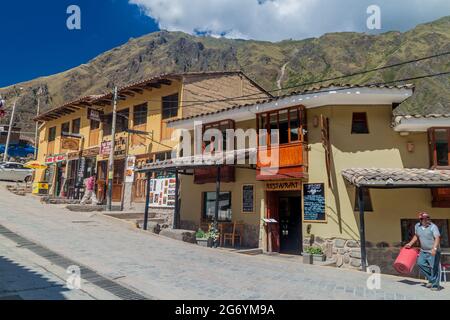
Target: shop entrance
point(286, 234)
point(118, 180)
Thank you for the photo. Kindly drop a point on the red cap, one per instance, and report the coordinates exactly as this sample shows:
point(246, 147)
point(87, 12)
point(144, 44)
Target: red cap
point(424, 215)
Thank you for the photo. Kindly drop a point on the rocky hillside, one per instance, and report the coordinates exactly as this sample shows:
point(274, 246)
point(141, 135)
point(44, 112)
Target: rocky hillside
point(283, 64)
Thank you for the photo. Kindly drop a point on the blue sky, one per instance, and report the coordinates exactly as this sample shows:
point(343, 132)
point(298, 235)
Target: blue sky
point(36, 42)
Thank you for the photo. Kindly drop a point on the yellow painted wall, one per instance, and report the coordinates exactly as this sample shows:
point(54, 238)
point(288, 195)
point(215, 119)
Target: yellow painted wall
point(382, 148)
point(154, 99)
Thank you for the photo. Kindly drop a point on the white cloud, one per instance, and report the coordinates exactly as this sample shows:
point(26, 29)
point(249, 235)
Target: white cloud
point(283, 19)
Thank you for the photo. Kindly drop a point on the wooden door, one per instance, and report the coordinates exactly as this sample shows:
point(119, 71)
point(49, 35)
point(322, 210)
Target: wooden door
point(140, 185)
point(273, 229)
point(102, 180)
point(118, 180)
point(94, 136)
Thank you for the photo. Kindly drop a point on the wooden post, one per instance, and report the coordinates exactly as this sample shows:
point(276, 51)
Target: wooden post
point(216, 212)
point(147, 201)
point(176, 217)
point(362, 230)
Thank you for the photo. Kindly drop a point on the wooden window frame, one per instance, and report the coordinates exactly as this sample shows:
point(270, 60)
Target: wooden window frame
point(62, 128)
point(366, 121)
point(50, 138)
point(228, 123)
point(433, 150)
point(138, 116)
point(301, 116)
point(163, 118)
point(73, 125)
point(204, 216)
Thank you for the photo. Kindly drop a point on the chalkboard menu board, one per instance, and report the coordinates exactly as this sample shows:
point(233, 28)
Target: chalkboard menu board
point(248, 198)
point(314, 202)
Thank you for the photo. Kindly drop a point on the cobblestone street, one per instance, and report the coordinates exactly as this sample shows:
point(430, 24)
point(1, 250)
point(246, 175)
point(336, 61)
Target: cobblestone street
point(155, 267)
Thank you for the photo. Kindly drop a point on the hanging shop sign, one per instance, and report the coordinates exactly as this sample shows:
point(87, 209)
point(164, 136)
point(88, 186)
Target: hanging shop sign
point(284, 186)
point(130, 168)
point(95, 115)
point(73, 156)
point(55, 159)
point(70, 143)
point(314, 202)
point(105, 148)
point(248, 198)
point(120, 147)
point(90, 153)
point(162, 192)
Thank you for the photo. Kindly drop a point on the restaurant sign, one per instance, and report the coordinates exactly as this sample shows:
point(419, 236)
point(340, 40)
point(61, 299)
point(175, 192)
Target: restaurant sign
point(284, 186)
point(55, 159)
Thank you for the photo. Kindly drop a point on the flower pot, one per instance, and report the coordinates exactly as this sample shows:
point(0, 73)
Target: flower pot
point(319, 258)
point(307, 258)
point(202, 242)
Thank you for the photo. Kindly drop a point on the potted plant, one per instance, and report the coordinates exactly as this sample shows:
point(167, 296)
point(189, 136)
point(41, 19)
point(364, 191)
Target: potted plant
point(213, 236)
point(314, 254)
point(202, 238)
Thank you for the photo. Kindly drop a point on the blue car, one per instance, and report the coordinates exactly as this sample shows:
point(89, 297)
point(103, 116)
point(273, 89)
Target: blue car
point(18, 150)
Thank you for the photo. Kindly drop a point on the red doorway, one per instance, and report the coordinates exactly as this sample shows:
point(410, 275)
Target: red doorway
point(285, 236)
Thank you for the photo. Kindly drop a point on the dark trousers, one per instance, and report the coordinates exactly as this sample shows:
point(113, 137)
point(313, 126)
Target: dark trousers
point(429, 266)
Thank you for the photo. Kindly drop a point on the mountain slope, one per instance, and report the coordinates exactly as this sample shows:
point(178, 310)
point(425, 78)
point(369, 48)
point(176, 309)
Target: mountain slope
point(302, 61)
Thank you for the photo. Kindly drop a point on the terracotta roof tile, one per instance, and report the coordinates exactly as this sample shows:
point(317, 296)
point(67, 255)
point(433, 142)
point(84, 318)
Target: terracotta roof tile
point(391, 178)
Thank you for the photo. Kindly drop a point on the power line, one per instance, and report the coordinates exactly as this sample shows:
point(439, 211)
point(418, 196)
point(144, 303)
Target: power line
point(199, 103)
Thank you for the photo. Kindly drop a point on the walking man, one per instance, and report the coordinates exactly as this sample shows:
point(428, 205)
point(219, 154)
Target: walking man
point(429, 259)
point(89, 194)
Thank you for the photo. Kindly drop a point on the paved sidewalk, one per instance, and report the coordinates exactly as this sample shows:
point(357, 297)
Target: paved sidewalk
point(167, 269)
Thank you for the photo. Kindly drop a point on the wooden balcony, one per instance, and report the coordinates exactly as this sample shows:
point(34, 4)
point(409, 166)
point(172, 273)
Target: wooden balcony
point(209, 175)
point(292, 162)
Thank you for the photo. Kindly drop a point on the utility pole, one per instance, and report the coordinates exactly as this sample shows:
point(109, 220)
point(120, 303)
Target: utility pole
point(111, 153)
point(11, 122)
point(37, 124)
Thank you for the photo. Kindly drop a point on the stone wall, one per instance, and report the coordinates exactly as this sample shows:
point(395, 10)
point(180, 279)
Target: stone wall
point(346, 253)
point(165, 214)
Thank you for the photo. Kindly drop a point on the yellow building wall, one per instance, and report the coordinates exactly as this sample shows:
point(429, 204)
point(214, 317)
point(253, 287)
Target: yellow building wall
point(381, 148)
point(154, 99)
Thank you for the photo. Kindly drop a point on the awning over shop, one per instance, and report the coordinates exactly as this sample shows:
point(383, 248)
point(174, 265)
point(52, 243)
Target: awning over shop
point(232, 158)
point(397, 178)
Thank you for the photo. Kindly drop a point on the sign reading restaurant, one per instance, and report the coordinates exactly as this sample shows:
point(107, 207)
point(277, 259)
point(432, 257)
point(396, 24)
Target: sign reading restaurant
point(284, 186)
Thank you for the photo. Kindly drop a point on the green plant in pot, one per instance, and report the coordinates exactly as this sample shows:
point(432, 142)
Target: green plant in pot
point(202, 238)
point(313, 254)
point(213, 236)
